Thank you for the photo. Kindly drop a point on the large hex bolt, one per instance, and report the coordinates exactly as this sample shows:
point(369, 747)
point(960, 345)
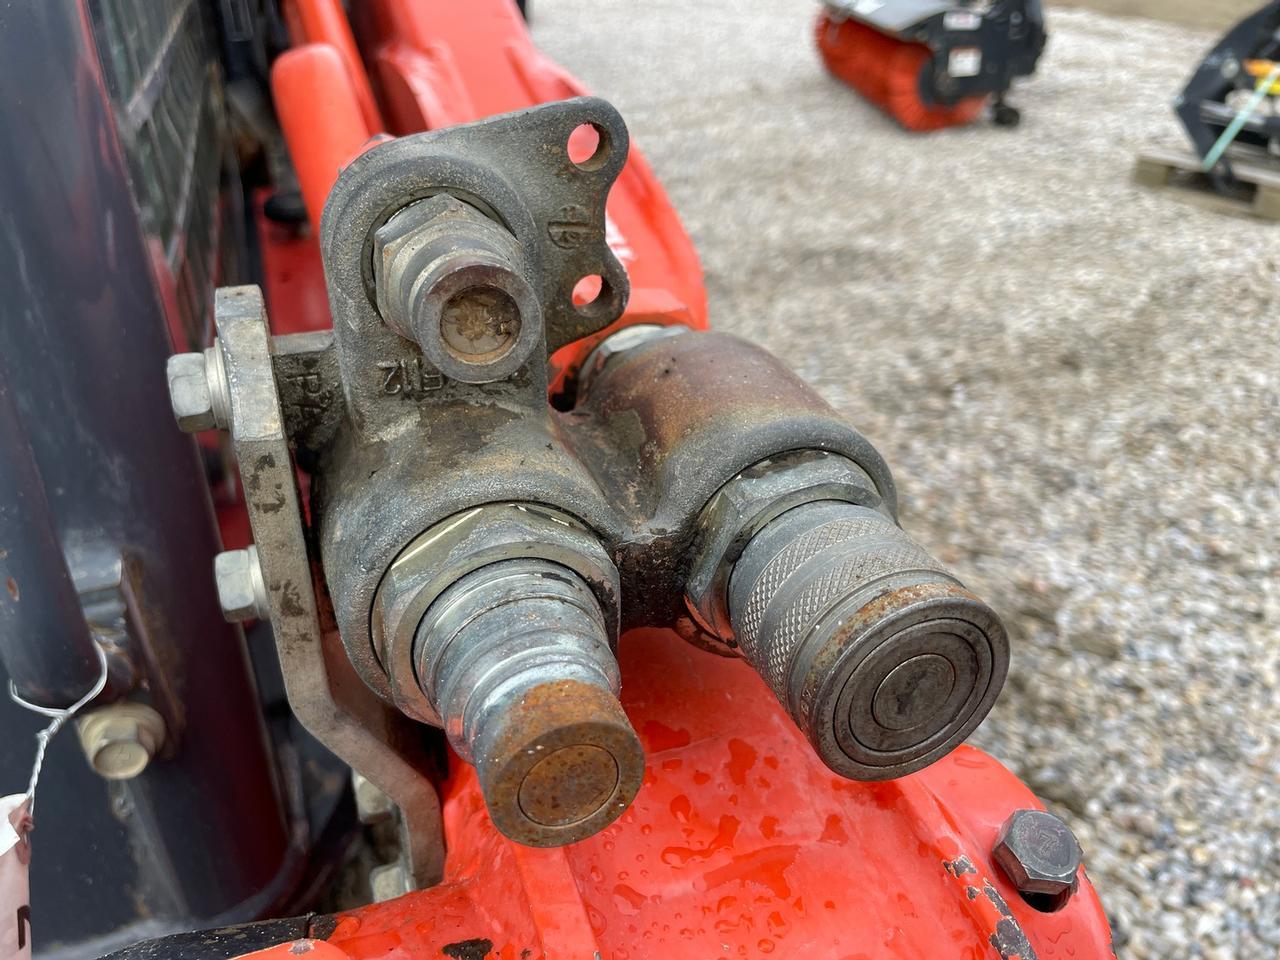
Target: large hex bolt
point(516, 658)
point(881, 657)
point(448, 278)
point(1041, 857)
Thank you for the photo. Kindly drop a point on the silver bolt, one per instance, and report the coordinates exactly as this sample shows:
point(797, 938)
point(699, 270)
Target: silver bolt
point(372, 805)
point(198, 390)
point(1040, 856)
point(121, 739)
point(241, 590)
point(388, 882)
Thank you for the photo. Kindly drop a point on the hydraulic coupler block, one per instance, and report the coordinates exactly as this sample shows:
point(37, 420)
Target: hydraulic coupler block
point(460, 537)
point(883, 659)
point(471, 552)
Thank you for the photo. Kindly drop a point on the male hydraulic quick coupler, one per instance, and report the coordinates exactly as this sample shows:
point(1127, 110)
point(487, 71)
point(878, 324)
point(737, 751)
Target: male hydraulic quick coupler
point(498, 625)
point(516, 655)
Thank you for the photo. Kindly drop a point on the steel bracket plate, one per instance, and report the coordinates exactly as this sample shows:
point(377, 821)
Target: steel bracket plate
point(324, 691)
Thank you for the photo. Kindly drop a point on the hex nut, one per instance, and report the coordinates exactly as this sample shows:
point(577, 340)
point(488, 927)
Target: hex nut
point(372, 805)
point(388, 881)
point(1039, 854)
point(198, 390)
point(458, 545)
point(242, 593)
point(742, 507)
point(394, 245)
point(121, 739)
point(189, 392)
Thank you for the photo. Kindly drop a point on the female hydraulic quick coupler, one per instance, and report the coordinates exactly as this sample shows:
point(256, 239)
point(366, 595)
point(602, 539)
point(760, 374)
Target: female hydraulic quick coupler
point(883, 659)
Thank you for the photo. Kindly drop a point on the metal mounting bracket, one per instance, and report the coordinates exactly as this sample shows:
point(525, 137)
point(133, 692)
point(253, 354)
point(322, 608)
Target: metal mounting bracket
point(326, 694)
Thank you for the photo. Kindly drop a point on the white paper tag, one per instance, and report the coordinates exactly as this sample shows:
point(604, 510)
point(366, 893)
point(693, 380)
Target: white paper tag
point(961, 20)
point(965, 62)
point(15, 890)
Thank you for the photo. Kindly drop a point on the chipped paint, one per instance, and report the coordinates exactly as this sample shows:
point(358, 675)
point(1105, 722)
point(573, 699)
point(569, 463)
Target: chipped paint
point(959, 867)
point(475, 949)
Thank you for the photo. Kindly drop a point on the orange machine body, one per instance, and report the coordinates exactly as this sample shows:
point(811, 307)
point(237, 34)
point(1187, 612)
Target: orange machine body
point(740, 843)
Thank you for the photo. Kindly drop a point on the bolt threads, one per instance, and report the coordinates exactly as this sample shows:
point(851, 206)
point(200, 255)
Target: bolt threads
point(515, 658)
point(882, 658)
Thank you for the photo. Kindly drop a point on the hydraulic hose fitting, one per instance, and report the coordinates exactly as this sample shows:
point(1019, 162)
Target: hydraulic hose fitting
point(883, 659)
point(517, 659)
point(448, 278)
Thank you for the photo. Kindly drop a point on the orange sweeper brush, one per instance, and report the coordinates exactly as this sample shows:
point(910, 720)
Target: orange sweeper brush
point(931, 65)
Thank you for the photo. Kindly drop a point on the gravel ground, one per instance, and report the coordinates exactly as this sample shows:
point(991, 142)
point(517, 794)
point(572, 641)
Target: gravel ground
point(1212, 14)
point(1076, 381)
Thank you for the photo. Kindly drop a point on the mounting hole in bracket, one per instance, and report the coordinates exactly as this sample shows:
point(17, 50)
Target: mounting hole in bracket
point(588, 146)
point(590, 291)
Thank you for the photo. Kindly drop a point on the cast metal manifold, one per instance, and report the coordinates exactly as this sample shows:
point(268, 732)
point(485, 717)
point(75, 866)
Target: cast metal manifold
point(480, 550)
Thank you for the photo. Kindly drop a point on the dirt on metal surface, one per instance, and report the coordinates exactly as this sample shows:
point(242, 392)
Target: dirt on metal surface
point(1076, 380)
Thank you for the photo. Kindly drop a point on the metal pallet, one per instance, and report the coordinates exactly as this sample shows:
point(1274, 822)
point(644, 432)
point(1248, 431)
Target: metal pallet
point(1182, 171)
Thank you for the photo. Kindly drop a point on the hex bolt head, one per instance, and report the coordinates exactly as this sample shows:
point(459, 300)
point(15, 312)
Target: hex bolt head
point(242, 592)
point(121, 739)
point(198, 390)
point(388, 882)
point(189, 392)
point(372, 805)
point(1039, 854)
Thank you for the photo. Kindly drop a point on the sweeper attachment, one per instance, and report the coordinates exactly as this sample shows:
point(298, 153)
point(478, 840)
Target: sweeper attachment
point(1231, 106)
point(931, 64)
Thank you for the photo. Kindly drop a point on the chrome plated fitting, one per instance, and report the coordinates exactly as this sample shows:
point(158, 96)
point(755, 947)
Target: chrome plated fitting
point(499, 625)
point(447, 278)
